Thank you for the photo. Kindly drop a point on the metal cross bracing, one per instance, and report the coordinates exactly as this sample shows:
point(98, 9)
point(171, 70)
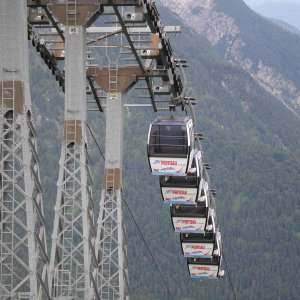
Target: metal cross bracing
point(112, 270)
point(23, 249)
point(72, 254)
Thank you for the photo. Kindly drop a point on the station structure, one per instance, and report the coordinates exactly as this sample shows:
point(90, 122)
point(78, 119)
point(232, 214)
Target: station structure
point(97, 50)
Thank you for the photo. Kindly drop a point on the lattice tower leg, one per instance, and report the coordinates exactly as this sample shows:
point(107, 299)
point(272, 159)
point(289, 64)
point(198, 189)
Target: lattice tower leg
point(23, 250)
point(72, 255)
point(112, 272)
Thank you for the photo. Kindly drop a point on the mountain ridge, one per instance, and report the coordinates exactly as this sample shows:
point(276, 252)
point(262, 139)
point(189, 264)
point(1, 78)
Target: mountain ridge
point(285, 26)
point(243, 37)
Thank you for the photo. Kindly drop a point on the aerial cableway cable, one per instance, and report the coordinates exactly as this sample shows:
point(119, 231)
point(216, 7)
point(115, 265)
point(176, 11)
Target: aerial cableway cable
point(147, 246)
point(95, 141)
point(137, 226)
point(231, 284)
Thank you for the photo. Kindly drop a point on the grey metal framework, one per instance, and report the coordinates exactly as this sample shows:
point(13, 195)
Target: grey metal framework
point(112, 270)
point(72, 254)
point(23, 250)
point(150, 51)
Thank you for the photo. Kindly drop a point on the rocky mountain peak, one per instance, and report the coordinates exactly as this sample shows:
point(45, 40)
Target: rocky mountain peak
point(238, 34)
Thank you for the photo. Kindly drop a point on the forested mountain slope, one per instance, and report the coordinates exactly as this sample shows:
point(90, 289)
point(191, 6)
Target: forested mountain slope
point(269, 53)
point(252, 143)
point(285, 26)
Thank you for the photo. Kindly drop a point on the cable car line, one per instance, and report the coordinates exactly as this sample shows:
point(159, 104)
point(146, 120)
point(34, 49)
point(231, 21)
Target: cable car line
point(147, 246)
point(87, 125)
point(227, 269)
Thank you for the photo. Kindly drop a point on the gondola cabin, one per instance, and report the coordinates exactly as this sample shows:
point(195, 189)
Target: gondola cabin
point(192, 219)
point(205, 245)
point(205, 268)
point(184, 189)
point(171, 146)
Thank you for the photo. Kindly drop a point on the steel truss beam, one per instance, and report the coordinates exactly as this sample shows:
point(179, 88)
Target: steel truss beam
point(23, 250)
point(112, 273)
point(137, 30)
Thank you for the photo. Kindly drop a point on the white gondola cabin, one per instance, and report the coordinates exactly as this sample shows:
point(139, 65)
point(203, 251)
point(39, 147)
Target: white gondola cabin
point(205, 245)
point(184, 189)
point(205, 268)
point(171, 146)
point(192, 219)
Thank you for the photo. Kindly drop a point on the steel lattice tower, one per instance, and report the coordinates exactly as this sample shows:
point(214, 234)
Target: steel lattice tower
point(72, 254)
point(111, 274)
point(111, 247)
point(23, 251)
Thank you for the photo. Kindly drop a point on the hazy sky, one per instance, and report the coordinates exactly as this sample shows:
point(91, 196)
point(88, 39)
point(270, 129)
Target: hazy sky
point(253, 3)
